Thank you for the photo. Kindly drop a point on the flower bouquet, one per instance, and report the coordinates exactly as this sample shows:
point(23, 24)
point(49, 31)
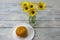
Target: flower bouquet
point(30, 8)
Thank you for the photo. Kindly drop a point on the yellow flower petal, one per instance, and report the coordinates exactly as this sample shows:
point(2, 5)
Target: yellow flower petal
point(32, 12)
point(41, 5)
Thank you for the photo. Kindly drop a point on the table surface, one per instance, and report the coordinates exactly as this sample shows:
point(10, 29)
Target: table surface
point(47, 21)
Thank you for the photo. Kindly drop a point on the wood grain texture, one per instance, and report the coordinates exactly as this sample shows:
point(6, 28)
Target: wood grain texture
point(48, 21)
point(40, 34)
point(11, 10)
point(40, 23)
point(16, 13)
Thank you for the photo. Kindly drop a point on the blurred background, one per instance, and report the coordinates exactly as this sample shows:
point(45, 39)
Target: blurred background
point(48, 21)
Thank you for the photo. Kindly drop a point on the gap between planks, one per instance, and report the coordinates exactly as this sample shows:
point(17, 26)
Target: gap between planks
point(36, 27)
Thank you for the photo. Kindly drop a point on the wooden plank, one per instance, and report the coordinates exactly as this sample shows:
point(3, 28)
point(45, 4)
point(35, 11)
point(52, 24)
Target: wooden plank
point(15, 12)
point(10, 23)
point(49, 2)
point(41, 23)
point(40, 34)
point(15, 1)
point(15, 15)
point(47, 34)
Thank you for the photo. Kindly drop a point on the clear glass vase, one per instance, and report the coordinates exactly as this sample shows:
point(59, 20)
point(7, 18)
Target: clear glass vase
point(32, 20)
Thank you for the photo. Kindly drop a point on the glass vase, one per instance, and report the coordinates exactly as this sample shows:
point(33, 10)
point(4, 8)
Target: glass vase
point(32, 20)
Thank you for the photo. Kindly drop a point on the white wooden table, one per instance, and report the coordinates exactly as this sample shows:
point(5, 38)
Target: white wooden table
point(48, 21)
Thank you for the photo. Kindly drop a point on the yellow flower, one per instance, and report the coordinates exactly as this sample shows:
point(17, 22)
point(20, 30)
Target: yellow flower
point(41, 5)
point(32, 12)
point(25, 4)
point(32, 5)
point(26, 8)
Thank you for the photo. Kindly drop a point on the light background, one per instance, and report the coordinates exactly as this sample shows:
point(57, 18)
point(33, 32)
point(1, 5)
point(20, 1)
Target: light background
point(48, 21)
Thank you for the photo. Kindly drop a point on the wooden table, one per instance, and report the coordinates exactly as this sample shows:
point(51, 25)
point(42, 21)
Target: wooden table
point(48, 21)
